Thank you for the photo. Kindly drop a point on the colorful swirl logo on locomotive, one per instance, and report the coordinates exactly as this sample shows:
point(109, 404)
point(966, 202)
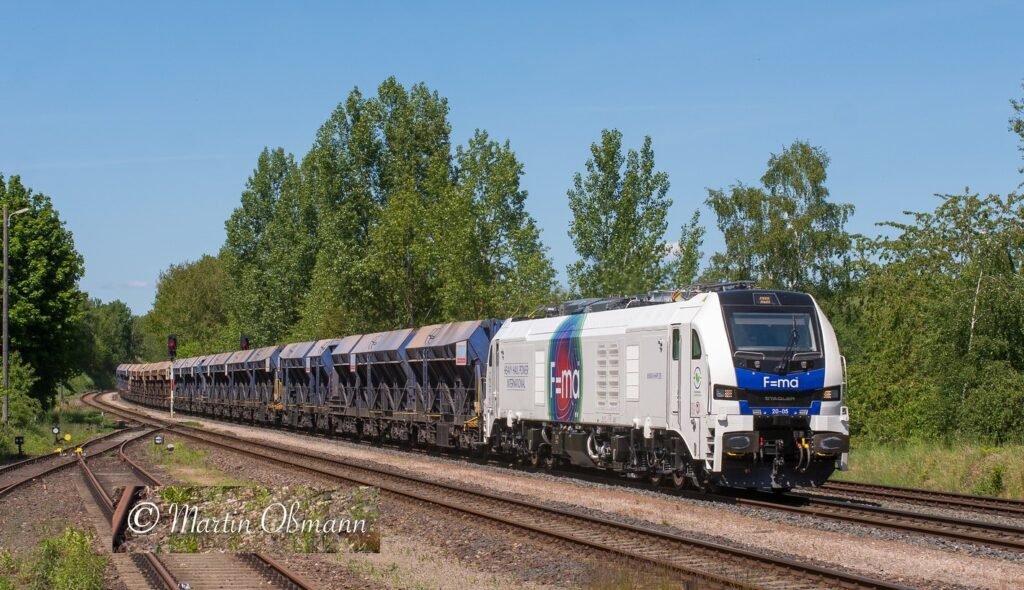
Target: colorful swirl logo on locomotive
point(565, 362)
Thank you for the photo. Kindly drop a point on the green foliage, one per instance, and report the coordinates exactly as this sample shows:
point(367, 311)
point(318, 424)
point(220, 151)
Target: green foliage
point(939, 339)
point(686, 266)
point(618, 226)
point(68, 563)
point(408, 233)
point(24, 409)
point(107, 340)
point(416, 172)
point(992, 482)
point(1017, 123)
point(940, 465)
point(785, 233)
point(268, 252)
point(190, 302)
point(45, 301)
point(79, 423)
point(493, 263)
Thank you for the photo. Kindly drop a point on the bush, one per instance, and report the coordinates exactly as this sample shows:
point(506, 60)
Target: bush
point(67, 562)
point(24, 410)
point(993, 410)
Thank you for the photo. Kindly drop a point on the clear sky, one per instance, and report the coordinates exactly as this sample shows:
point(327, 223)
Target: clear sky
point(143, 122)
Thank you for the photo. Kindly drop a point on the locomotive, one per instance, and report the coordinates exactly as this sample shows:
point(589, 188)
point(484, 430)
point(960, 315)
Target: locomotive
point(717, 385)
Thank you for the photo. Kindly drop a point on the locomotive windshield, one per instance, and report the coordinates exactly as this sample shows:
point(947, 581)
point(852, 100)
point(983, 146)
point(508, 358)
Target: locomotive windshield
point(772, 332)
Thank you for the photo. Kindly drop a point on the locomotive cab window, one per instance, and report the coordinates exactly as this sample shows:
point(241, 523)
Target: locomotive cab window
point(695, 353)
point(675, 344)
point(784, 331)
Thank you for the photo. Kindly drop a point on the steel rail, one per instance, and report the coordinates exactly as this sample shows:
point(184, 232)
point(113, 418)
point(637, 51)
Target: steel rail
point(747, 568)
point(279, 571)
point(62, 462)
point(987, 504)
point(163, 575)
point(978, 532)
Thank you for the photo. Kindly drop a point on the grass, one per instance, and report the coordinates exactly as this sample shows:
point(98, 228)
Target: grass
point(64, 562)
point(190, 464)
point(957, 467)
point(81, 424)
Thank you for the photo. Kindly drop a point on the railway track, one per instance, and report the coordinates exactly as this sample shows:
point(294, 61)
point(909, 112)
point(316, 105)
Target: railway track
point(956, 529)
point(986, 504)
point(174, 571)
point(709, 564)
point(115, 485)
point(223, 571)
point(17, 474)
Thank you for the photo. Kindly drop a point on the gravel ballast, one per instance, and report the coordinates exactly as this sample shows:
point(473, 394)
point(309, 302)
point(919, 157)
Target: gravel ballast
point(910, 559)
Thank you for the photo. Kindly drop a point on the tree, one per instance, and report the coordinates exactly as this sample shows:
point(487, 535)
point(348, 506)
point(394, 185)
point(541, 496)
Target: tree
point(493, 263)
point(416, 173)
point(45, 301)
point(785, 233)
point(619, 210)
point(1017, 123)
point(266, 253)
point(408, 233)
point(24, 409)
point(189, 302)
point(343, 180)
point(107, 339)
point(947, 295)
point(687, 252)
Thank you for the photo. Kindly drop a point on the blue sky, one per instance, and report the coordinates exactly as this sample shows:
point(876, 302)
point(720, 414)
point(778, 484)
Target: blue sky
point(143, 122)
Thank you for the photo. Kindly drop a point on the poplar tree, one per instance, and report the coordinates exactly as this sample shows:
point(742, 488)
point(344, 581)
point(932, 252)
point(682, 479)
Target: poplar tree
point(619, 212)
point(1017, 124)
point(257, 254)
point(686, 264)
point(492, 258)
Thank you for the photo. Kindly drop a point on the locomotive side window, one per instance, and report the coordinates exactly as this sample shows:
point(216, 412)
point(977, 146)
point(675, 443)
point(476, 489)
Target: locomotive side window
point(675, 344)
point(695, 345)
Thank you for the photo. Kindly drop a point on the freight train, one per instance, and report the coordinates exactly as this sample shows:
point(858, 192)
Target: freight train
point(716, 385)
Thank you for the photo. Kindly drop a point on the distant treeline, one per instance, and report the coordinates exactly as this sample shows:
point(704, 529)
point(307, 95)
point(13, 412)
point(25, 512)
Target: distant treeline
point(385, 224)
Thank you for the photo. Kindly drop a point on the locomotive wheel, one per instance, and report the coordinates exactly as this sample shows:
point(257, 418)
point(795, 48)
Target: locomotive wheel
point(678, 480)
point(549, 461)
point(535, 460)
point(655, 479)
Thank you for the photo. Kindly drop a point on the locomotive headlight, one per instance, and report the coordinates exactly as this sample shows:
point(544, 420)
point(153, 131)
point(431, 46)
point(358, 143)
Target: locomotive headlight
point(831, 395)
point(723, 392)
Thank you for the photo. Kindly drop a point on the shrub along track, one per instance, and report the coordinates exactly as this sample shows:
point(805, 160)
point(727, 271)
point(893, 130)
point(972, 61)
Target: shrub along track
point(709, 564)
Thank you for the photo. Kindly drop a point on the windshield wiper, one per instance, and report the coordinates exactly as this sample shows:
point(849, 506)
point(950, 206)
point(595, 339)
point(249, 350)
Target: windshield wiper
point(790, 352)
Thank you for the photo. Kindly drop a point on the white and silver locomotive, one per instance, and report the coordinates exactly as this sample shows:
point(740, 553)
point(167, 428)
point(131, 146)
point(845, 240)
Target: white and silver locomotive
point(727, 385)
